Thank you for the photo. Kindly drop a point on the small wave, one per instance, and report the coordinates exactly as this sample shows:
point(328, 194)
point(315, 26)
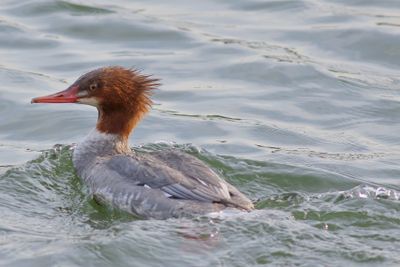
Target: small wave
point(297, 199)
point(325, 155)
point(370, 192)
point(46, 7)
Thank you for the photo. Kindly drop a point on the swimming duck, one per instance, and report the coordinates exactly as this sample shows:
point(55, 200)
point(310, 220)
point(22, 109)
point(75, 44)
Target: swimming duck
point(163, 184)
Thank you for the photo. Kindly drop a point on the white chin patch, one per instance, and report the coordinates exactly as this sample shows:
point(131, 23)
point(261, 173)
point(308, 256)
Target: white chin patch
point(92, 101)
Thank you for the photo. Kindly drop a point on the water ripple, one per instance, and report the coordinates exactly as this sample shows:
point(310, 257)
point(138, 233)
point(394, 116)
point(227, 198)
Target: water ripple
point(294, 102)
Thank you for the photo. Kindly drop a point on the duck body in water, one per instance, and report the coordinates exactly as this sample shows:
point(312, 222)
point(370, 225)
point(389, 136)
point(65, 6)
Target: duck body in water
point(162, 184)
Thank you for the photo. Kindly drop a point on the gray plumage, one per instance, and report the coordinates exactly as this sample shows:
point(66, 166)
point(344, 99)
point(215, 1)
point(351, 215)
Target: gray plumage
point(162, 184)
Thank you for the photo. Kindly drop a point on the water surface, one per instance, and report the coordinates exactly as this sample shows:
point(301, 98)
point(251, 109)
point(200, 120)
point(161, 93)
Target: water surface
point(294, 102)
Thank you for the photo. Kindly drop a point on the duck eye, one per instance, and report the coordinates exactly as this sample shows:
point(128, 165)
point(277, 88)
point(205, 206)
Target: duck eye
point(93, 87)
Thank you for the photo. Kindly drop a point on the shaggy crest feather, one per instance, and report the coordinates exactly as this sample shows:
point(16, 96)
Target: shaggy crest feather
point(123, 97)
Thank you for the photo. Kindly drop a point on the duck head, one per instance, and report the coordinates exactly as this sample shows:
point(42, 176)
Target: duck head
point(121, 96)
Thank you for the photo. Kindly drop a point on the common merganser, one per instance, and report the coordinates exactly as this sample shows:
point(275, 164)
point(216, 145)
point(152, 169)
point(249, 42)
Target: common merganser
point(163, 184)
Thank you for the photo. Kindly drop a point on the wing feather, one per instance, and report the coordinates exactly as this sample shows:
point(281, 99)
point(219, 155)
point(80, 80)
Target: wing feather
point(178, 174)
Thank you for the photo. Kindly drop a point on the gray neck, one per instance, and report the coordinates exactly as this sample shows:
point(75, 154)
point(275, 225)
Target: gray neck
point(97, 145)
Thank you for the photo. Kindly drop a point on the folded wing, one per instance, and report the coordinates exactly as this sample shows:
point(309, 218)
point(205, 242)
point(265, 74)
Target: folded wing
point(178, 175)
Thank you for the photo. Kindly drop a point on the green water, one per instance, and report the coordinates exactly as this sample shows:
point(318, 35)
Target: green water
point(294, 102)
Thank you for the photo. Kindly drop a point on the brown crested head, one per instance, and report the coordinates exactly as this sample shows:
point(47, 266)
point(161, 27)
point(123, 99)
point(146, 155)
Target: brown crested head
point(122, 97)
